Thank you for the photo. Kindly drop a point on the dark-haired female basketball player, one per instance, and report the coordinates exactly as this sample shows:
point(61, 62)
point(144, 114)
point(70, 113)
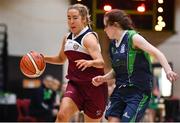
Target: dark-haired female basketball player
point(129, 53)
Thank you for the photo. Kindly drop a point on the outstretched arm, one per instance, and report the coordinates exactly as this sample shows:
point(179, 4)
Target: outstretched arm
point(141, 43)
point(98, 80)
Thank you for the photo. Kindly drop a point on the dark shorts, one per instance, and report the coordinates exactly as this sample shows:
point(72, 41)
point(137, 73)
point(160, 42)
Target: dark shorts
point(92, 100)
point(128, 104)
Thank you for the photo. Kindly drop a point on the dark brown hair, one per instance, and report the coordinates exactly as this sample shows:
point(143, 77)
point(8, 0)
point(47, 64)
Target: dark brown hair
point(120, 17)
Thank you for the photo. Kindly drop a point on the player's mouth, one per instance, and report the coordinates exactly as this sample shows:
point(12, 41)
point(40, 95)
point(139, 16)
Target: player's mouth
point(73, 28)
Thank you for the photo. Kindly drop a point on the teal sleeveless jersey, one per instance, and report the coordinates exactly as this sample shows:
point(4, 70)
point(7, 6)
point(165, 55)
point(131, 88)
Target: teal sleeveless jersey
point(132, 66)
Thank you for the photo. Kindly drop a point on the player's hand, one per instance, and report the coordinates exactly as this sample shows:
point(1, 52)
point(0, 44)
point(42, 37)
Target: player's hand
point(172, 76)
point(98, 80)
point(83, 64)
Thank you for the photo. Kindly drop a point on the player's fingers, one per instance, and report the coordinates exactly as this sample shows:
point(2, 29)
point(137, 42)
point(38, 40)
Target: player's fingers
point(83, 68)
point(95, 83)
point(174, 77)
point(79, 66)
point(94, 79)
point(42, 55)
point(78, 63)
point(170, 78)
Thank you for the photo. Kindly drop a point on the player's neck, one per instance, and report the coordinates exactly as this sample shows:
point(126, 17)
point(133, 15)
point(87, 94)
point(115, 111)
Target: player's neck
point(119, 33)
point(120, 36)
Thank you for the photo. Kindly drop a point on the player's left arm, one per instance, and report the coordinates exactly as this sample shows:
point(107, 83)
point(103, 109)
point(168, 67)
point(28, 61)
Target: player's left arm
point(92, 45)
point(141, 43)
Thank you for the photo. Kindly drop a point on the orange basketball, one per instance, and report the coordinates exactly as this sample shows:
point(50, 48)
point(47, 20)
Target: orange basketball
point(32, 64)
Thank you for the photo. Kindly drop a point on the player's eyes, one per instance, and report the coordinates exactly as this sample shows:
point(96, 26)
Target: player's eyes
point(75, 17)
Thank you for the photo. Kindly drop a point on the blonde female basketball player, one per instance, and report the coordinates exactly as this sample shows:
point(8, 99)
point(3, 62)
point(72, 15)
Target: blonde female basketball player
point(82, 49)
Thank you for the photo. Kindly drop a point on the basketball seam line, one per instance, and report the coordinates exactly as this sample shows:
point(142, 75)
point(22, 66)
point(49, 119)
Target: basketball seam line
point(26, 67)
point(32, 60)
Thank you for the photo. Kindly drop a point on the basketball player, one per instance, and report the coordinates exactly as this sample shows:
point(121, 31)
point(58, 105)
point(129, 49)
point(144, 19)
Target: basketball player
point(131, 68)
point(82, 49)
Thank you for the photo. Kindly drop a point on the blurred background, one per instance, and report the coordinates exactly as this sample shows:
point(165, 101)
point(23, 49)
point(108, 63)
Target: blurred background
point(40, 25)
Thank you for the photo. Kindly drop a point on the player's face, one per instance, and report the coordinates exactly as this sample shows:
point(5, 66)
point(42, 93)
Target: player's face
point(75, 21)
point(108, 29)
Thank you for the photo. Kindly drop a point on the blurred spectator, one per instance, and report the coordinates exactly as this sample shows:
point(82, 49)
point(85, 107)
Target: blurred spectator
point(43, 105)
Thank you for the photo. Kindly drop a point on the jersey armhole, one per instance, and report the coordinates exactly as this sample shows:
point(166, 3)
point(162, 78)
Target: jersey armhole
point(95, 34)
point(130, 42)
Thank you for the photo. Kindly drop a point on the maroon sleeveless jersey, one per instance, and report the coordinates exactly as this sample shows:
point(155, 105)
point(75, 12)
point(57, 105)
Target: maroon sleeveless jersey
point(75, 50)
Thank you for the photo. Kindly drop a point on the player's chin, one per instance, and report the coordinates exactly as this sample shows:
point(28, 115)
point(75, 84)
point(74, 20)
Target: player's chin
point(74, 30)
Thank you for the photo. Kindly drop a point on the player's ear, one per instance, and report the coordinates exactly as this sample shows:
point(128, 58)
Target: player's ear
point(84, 20)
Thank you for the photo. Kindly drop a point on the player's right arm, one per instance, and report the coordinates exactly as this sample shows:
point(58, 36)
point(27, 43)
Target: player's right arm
point(98, 80)
point(143, 44)
point(58, 59)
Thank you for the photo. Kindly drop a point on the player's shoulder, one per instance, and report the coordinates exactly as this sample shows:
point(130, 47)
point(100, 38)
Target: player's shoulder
point(131, 33)
point(91, 36)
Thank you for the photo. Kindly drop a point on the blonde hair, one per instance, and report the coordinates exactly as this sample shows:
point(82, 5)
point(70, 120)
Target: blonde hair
point(84, 12)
